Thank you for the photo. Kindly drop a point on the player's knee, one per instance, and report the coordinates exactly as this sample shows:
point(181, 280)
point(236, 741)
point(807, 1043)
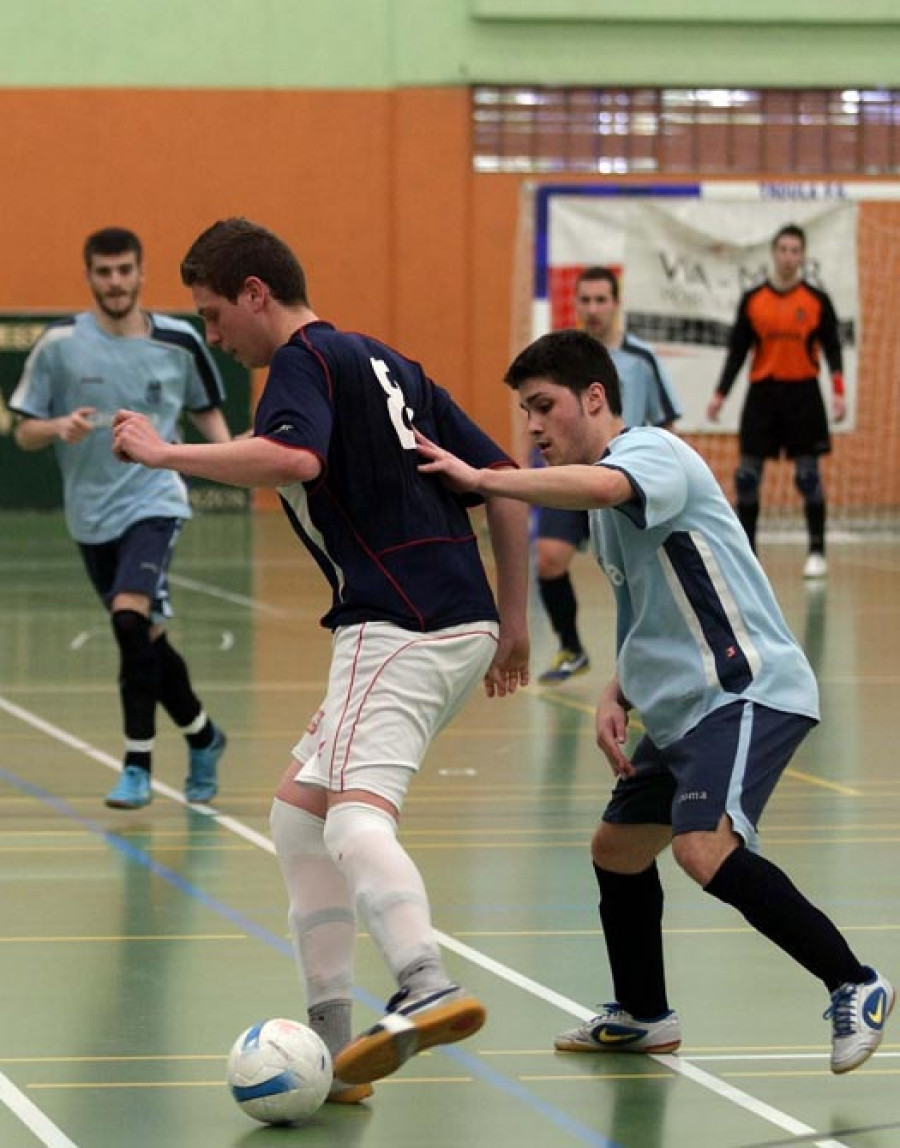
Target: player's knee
point(699, 854)
point(746, 483)
point(808, 480)
point(552, 559)
point(353, 826)
point(296, 832)
point(138, 665)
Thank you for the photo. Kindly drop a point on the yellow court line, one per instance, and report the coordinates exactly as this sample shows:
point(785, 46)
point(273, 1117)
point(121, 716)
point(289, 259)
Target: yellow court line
point(71, 1085)
point(126, 939)
point(668, 931)
point(596, 1078)
point(773, 1074)
point(811, 779)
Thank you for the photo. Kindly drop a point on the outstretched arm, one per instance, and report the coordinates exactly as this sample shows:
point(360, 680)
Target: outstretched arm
point(569, 487)
point(241, 462)
point(508, 523)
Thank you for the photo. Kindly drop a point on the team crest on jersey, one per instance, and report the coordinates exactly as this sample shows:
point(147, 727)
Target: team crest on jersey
point(154, 393)
point(614, 574)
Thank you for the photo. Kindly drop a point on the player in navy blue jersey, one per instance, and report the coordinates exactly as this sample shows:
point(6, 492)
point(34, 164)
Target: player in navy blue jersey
point(648, 398)
point(414, 619)
point(722, 687)
point(126, 519)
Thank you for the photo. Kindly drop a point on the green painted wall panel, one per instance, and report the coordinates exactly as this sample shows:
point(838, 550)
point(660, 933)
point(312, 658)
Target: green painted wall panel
point(707, 11)
point(354, 44)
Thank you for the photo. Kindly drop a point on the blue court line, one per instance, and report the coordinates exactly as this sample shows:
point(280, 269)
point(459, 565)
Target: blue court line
point(468, 1061)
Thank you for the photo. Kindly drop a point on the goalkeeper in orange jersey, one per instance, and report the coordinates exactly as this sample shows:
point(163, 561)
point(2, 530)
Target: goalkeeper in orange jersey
point(787, 323)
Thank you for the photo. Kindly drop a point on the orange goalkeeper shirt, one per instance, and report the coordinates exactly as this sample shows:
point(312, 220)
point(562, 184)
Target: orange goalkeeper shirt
point(785, 330)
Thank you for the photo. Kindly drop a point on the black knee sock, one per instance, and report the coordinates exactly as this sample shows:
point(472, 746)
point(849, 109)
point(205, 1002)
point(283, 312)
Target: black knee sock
point(631, 909)
point(776, 908)
point(138, 681)
point(176, 693)
point(815, 525)
point(558, 596)
point(748, 514)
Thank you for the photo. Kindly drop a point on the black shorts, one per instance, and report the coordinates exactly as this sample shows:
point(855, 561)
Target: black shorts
point(572, 526)
point(728, 764)
point(784, 418)
point(136, 563)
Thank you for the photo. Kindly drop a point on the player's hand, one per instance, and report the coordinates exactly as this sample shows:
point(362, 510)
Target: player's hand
point(136, 439)
point(715, 405)
point(838, 408)
point(75, 427)
point(458, 475)
point(509, 669)
point(611, 722)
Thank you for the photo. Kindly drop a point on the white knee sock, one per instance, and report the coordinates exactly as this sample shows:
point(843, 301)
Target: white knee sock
point(388, 887)
point(321, 915)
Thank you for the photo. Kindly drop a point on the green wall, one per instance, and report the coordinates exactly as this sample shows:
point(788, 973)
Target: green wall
point(395, 43)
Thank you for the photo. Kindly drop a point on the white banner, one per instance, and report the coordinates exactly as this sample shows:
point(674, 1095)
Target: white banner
point(685, 262)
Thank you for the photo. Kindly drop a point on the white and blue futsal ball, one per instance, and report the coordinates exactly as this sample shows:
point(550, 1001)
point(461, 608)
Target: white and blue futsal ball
point(279, 1071)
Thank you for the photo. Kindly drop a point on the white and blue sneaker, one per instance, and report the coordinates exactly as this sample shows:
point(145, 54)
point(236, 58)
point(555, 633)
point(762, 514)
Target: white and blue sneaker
point(202, 781)
point(565, 665)
point(413, 1022)
point(615, 1030)
point(132, 790)
point(857, 1014)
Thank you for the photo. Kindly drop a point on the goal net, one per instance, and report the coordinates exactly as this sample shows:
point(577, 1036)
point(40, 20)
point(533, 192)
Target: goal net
point(685, 254)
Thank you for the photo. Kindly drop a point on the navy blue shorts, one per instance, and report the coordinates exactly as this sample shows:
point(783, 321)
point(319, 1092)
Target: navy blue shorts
point(572, 526)
point(136, 563)
point(728, 764)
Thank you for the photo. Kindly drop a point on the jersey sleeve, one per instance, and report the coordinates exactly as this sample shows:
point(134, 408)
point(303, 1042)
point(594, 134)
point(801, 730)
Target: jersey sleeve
point(739, 343)
point(663, 404)
point(296, 407)
point(829, 334)
point(655, 472)
point(33, 395)
point(206, 389)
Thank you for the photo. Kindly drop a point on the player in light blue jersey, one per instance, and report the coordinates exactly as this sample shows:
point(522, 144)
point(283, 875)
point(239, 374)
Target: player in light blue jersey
point(724, 691)
point(124, 518)
point(647, 399)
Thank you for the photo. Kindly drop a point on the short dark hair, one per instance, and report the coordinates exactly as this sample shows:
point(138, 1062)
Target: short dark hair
point(792, 231)
point(112, 241)
point(603, 274)
point(571, 358)
point(232, 250)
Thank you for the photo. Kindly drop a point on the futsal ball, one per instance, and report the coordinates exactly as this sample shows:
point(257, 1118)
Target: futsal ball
point(279, 1071)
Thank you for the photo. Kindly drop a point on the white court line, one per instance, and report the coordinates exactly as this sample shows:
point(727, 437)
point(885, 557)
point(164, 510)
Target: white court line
point(674, 1064)
point(32, 1117)
point(227, 596)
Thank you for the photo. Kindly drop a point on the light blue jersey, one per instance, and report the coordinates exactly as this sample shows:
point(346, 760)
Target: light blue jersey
point(648, 397)
point(76, 364)
point(698, 623)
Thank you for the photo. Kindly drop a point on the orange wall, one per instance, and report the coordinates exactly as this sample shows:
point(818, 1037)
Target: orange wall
point(373, 189)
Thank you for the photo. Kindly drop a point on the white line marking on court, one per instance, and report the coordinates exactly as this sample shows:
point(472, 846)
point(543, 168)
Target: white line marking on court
point(80, 640)
point(675, 1064)
point(227, 640)
point(32, 1117)
point(227, 596)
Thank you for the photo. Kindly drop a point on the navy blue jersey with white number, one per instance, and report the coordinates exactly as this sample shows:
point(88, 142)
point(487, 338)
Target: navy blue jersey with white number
point(394, 544)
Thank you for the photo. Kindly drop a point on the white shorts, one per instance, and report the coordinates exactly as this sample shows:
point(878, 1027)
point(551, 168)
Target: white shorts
point(390, 691)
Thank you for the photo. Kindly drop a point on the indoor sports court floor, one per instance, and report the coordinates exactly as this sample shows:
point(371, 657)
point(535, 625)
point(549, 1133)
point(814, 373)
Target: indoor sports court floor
point(134, 947)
